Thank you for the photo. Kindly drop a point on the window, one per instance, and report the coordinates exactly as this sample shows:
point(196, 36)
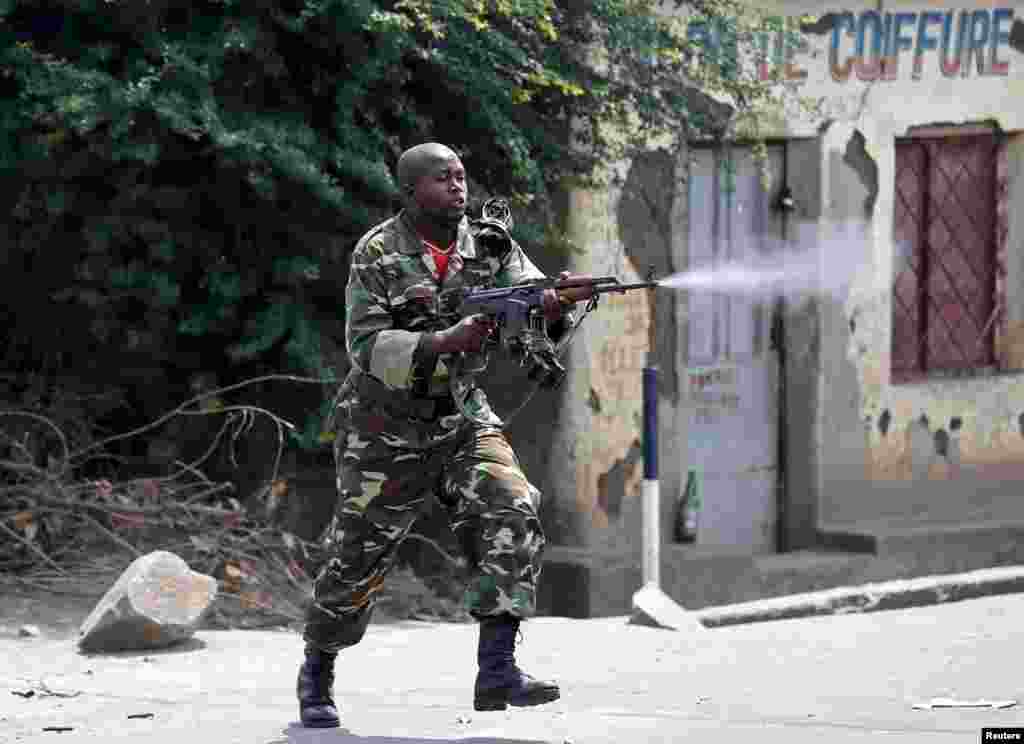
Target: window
point(945, 304)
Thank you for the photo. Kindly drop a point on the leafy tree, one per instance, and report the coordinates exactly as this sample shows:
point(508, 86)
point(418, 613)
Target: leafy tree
point(182, 180)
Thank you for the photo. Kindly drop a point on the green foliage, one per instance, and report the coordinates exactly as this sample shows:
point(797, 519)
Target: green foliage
point(193, 167)
point(162, 289)
point(223, 295)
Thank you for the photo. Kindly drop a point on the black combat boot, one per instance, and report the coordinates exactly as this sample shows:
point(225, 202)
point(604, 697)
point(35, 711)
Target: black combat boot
point(500, 682)
point(315, 689)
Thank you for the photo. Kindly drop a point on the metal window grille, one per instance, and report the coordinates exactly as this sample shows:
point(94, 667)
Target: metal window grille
point(944, 295)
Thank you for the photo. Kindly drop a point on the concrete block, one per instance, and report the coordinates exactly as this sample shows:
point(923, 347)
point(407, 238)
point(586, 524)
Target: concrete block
point(157, 602)
point(653, 608)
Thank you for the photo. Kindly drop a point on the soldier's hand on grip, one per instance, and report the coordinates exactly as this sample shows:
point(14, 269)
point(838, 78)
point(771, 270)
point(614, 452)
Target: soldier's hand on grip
point(469, 334)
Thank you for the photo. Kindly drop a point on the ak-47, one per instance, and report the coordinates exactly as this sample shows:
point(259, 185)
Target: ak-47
point(520, 325)
point(521, 328)
point(517, 313)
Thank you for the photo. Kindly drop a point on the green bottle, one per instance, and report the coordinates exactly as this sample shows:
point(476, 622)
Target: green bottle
point(689, 509)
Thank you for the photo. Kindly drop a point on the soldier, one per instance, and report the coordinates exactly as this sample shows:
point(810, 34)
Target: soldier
point(399, 432)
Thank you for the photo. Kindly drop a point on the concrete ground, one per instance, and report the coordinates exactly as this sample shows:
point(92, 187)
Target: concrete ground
point(836, 678)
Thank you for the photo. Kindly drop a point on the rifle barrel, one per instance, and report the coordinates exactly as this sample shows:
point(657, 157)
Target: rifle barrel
point(625, 287)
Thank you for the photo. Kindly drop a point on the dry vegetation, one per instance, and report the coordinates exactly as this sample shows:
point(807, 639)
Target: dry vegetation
point(67, 535)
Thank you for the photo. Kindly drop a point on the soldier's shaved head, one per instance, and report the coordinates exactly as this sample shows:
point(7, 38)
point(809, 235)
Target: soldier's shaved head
point(432, 181)
point(418, 160)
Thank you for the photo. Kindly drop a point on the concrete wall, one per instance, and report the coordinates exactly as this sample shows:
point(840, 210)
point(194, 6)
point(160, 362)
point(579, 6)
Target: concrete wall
point(939, 449)
point(944, 450)
point(801, 357)
point(840, 167)
point(858, 448)
point(622, 231)
point(593, 513)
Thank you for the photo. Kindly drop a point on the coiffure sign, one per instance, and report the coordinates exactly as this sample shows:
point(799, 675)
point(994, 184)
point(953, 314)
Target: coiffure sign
point(875, 46)
point(871, 45)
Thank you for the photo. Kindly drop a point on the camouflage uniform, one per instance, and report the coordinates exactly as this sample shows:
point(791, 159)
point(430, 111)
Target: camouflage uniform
point(399, 435)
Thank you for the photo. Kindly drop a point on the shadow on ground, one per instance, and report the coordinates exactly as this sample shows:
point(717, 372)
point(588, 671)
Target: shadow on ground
point(181, 647)
point(296, 733)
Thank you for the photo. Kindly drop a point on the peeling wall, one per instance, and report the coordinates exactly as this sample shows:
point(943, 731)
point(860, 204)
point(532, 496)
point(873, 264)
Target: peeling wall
point(625, 230)
point(859, 448)
point(924, 96)
point(942, 449)
point(610, 481)
point(1011, 342)
point(597, 485)
point(911, 436)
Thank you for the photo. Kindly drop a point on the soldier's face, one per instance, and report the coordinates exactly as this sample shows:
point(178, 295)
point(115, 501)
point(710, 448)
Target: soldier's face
point(441, 191)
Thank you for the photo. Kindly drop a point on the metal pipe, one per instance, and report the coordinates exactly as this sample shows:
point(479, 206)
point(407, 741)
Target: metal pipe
point(649, 486)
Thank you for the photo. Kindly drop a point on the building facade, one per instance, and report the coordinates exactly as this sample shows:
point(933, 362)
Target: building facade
point(857, 410)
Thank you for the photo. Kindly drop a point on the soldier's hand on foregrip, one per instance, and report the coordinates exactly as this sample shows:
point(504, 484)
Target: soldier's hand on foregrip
point(469, 334)
point(575, 294)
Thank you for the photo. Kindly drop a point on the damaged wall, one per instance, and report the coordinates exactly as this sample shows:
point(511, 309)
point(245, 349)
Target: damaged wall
point(938, 449)
point(942, 449)
point(858, 446)
point(597, 480)
point(624, 230)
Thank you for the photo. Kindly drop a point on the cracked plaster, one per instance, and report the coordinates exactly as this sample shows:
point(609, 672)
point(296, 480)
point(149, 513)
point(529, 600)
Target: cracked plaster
point(856, 132)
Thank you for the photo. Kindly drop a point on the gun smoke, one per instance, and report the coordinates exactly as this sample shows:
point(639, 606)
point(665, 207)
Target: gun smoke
point(813, 263)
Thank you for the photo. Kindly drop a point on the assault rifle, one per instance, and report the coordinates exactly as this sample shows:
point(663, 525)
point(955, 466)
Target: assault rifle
point(522, 330)
point(518, 316)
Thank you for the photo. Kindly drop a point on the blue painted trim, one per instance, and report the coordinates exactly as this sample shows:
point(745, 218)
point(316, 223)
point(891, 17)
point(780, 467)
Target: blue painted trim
point(650, 440)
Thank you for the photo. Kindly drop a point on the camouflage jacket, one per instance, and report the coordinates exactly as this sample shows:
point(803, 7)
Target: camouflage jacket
point(393, 297)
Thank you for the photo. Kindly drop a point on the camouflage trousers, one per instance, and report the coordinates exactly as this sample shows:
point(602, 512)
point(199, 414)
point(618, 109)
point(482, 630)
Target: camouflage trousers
point(491, 506)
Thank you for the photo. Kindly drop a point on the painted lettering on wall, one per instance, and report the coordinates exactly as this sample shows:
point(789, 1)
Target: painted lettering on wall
point(777, 46)
point(874, 46)
point(712, 392)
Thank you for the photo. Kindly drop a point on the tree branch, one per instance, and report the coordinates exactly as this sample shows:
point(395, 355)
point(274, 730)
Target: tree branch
point(31, 546)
